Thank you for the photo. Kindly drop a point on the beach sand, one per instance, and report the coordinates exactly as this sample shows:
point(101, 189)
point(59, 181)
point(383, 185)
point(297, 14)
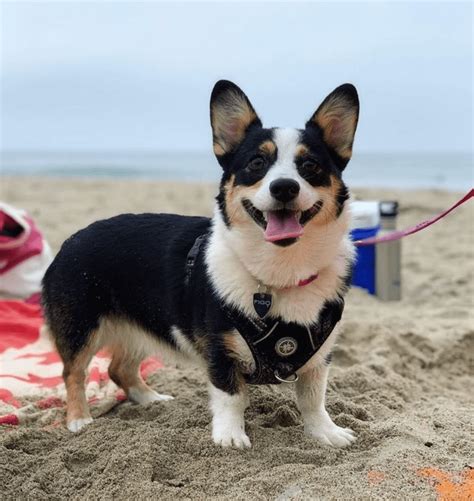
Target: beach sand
point(400, 378)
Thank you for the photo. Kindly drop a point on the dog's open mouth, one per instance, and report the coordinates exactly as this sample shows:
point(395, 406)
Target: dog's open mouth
point(282, 226)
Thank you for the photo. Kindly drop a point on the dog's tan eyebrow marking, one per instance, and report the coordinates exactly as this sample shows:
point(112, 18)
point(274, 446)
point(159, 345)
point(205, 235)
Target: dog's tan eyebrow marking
point(268, 148)
point(301, 150)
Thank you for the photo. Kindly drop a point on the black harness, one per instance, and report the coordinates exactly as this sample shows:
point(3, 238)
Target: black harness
point(279, 348)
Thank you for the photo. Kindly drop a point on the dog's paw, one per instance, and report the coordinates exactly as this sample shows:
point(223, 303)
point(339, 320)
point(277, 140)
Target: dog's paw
point(328, 433)
point(76, 424)
point(147, 396)
point(228, 436)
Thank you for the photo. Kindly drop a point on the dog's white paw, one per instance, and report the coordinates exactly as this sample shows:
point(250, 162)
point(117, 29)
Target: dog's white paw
point(147, 396)
point(328, 433)
point(228, 425)
point(76, 424)
point(228, 436)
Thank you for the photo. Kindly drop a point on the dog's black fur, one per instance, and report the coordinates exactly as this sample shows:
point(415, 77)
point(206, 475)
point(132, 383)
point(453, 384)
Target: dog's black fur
point(133, 267)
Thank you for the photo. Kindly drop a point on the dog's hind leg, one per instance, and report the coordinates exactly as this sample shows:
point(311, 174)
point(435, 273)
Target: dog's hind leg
point(74, 374)
point(124, 370)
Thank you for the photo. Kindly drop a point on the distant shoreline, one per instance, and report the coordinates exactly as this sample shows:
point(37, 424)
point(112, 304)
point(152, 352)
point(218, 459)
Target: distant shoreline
point(443, 171)
point(174, 183)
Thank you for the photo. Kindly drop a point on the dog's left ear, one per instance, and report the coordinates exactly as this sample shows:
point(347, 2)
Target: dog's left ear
point(337, 117)
point(231, 115)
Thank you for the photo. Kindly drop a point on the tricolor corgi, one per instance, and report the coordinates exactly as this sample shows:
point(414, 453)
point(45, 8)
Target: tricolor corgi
point(253, 294)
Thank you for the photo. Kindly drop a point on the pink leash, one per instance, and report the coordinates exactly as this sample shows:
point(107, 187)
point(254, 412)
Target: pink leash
point(398, 234)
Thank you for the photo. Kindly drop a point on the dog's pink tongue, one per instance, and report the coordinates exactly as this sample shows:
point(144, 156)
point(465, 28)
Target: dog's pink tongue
point(281, 226)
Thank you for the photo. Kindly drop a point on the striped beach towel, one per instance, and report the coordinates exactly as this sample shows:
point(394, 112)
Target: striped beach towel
point(31, 384)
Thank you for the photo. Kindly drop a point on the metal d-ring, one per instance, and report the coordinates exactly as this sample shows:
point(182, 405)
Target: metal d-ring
point(295, 377)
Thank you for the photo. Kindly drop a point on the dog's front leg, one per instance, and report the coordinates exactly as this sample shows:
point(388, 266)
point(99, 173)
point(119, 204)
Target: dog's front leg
point(311, 395)
point(228, 401)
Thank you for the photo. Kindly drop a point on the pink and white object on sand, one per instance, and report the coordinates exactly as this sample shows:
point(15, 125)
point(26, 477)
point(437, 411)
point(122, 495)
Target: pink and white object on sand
point(24, 253)
point(31, 384)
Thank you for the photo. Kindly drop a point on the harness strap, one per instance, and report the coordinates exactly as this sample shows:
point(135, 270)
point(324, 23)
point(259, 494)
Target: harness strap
point(192, 256)
point(280, 348)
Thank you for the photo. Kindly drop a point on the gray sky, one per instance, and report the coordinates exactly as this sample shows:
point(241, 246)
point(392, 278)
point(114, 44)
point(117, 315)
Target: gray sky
point(120, 75)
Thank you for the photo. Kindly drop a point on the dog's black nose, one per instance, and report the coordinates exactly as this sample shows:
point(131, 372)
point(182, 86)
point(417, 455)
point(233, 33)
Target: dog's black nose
point(284, 190)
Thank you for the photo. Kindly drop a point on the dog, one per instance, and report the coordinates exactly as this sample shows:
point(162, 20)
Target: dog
point(253, 294)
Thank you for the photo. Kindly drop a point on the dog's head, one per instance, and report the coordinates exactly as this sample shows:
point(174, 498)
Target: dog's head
point(282, 181)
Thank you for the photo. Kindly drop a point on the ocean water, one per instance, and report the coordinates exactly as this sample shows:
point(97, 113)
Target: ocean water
point(448, 171)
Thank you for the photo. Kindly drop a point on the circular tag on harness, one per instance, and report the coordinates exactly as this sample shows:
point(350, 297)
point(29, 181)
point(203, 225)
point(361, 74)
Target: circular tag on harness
point(286, 346)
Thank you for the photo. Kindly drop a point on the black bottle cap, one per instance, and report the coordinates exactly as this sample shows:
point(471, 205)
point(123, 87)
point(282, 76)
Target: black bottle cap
point(388, 208)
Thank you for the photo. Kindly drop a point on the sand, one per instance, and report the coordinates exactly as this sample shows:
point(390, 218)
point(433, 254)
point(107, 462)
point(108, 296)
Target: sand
point(401, 378)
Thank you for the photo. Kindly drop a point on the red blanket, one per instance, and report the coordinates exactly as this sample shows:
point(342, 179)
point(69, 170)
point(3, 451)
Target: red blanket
point(31, 385)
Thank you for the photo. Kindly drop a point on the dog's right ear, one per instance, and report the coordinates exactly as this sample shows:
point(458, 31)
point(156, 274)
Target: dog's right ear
point(231, 115)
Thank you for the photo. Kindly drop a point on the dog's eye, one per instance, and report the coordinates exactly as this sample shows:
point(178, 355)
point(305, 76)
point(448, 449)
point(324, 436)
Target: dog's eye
point(310, 164)
point(256, 163)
